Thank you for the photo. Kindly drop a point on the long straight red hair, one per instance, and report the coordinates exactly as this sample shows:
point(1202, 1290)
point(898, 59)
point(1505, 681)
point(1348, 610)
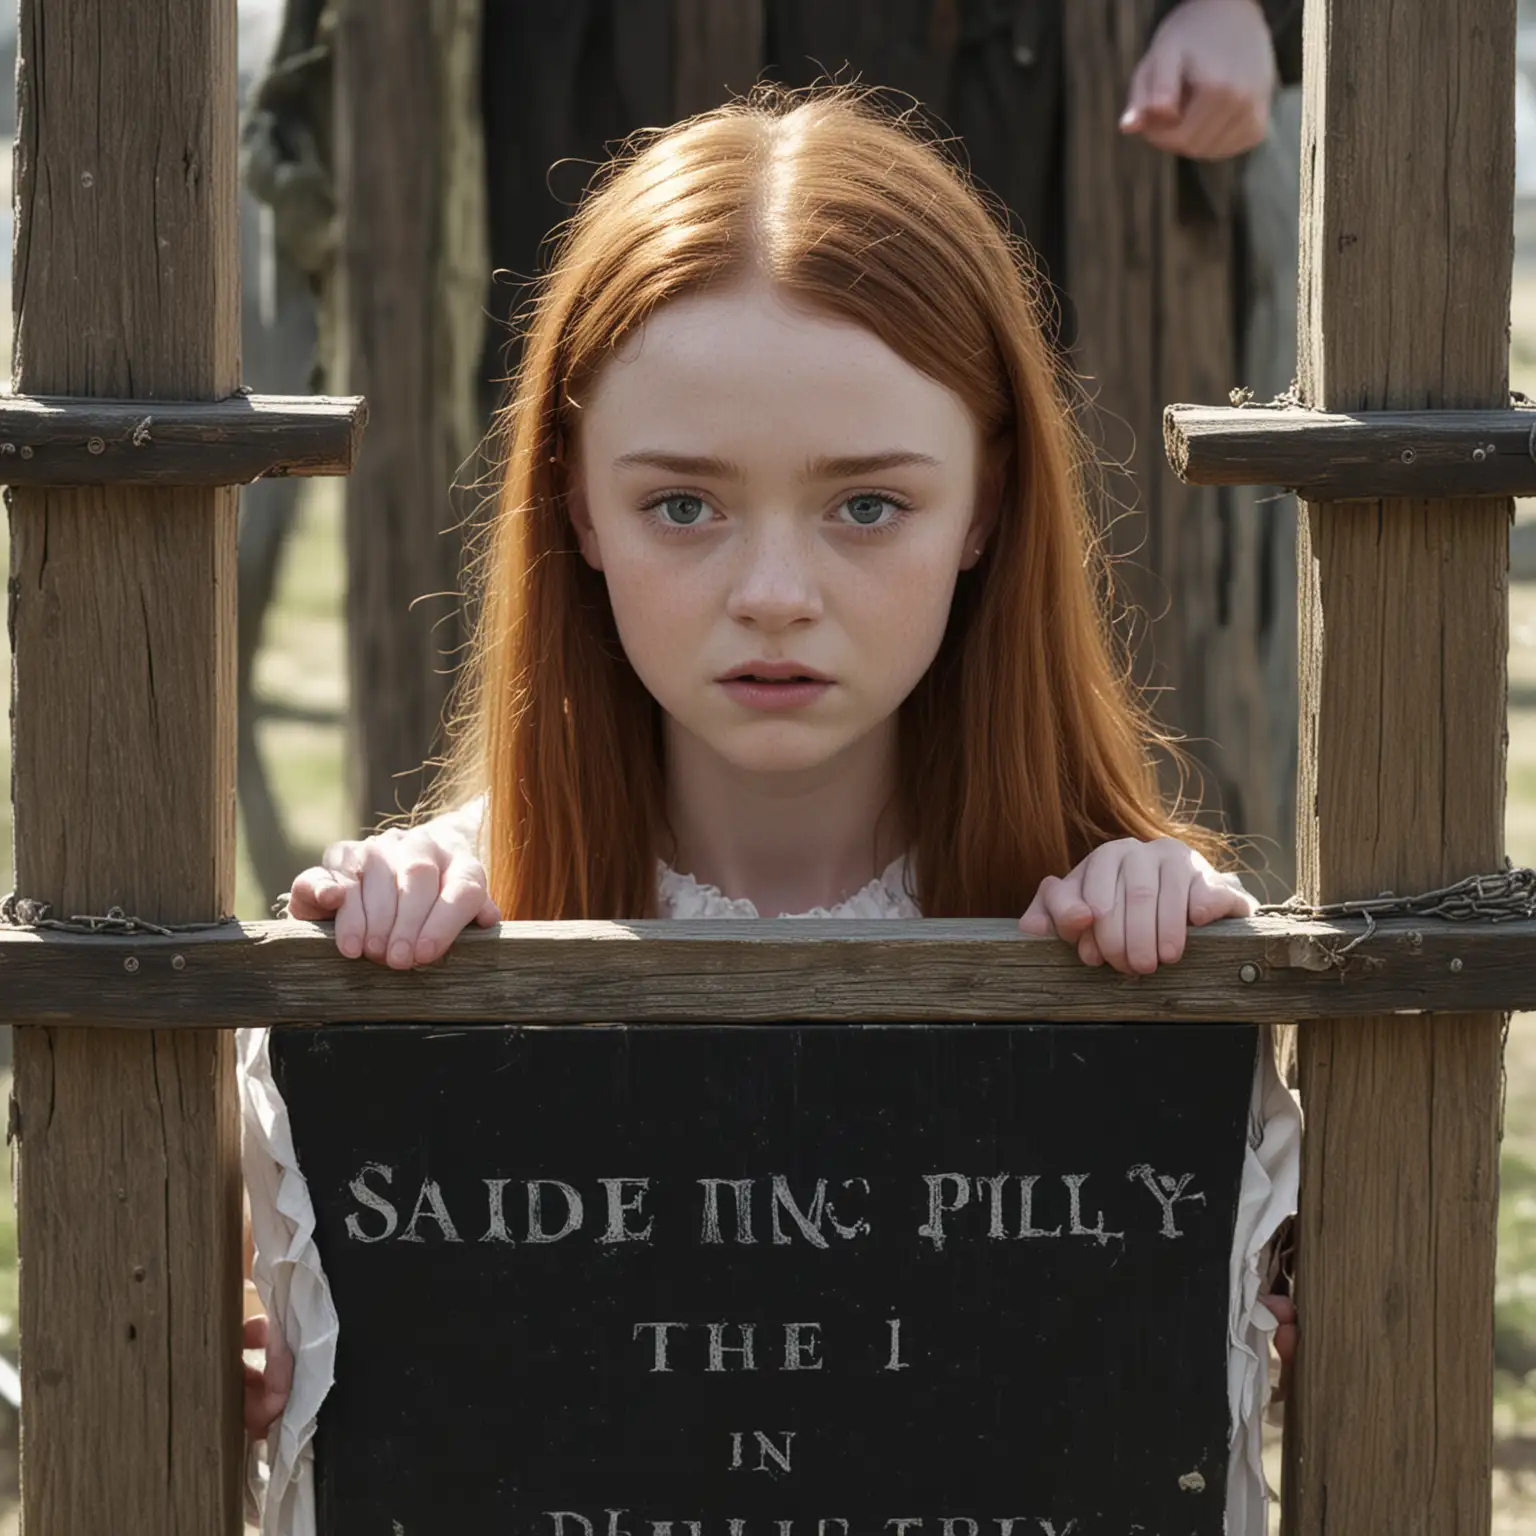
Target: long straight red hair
point(1023, 747)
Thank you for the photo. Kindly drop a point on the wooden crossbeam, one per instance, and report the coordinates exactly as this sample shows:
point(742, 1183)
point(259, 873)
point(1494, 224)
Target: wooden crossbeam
point(1263, 968)
point(64, 440)
point(1333, 456)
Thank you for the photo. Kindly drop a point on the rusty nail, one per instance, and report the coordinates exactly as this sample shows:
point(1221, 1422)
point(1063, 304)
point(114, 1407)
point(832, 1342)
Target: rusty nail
point(96, 445)
point(1248, 972)
point(1415, 940)
point(178, 962)
point(131, 964)
point(1408, 455)
point(1456, 965)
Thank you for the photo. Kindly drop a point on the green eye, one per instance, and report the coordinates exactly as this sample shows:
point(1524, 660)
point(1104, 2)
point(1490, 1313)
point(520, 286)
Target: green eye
point(867, 509)
point(682, 511)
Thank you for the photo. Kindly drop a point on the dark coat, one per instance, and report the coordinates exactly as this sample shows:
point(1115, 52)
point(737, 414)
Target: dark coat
point(563, 83)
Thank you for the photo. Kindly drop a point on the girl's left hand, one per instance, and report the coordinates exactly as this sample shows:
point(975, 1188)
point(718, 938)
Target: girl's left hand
point(1130, 903)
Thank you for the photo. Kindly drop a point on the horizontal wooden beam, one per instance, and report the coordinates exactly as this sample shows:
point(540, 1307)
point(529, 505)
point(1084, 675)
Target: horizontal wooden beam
point(74, 440)
point(1263, 968)
point(1361, 456)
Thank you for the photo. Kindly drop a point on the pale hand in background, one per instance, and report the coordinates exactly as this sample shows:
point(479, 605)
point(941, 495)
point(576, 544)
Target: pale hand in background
point(1205, 85)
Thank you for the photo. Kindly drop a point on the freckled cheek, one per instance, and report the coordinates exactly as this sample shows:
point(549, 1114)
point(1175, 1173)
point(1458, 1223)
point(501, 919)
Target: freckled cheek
point(664, 614)
point(899, 620)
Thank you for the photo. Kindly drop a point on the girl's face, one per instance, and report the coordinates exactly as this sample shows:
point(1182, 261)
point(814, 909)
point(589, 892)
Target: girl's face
point(780, 506)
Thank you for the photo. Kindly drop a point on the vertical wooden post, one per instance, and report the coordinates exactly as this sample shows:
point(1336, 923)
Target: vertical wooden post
point(1408, 172)
point(123, 617)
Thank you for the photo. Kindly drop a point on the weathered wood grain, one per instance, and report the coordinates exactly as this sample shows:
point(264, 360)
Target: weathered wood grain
point(408, 327)
point(1408, 195)
point(1369, 455)
point(64, 440)
point(126, 286)
point(272, 973)
point(1152, 285)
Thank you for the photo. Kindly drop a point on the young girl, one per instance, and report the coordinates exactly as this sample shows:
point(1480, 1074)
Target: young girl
point(791, 606)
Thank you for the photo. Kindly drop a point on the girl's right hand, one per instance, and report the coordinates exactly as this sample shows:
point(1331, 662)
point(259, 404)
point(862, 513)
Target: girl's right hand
point(401, 897)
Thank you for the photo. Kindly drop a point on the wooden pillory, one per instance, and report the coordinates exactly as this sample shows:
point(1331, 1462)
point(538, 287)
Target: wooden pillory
point(122, 617)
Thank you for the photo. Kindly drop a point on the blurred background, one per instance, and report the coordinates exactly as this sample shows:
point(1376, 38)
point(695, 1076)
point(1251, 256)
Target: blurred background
point(396, 157)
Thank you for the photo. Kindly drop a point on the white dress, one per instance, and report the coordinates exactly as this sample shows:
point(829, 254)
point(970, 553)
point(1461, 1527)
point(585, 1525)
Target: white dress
point(293, 1289)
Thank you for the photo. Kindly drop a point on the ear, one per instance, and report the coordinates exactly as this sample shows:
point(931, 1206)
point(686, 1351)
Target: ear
point(989, 504)
point(581, 520)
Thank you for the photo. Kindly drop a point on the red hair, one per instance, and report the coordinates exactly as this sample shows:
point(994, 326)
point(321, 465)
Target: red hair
point(1023, 747)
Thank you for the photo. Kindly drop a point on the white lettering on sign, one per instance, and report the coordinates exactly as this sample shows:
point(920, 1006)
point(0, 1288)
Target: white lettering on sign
point(496, 1231)
point(996, 1207)
point(809, 1222)
point(1167, 1191)
point(661, 1338)
point(766, 1451)
point(621, 1205)
point(573, 1211)
point(429, 1204)
point(365, 1196)
point(742, 1190)
point(719, 1349)
point(800, 1353)
point(939, 1207)
point(1074, 1183)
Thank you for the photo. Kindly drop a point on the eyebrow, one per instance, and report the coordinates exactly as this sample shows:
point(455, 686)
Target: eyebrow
point(710, 467)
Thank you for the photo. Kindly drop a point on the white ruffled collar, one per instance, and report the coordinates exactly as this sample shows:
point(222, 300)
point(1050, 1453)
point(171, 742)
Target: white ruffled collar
point(681, 896)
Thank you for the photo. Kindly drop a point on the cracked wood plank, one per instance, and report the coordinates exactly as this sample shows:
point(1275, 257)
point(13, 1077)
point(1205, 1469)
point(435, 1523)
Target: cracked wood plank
point(127, 286)
point(1264, 968)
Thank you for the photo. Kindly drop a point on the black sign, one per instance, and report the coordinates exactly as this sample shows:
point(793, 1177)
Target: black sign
point(799, 1280)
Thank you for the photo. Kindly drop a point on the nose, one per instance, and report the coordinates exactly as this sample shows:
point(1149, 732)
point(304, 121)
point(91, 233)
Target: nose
point(775, 585)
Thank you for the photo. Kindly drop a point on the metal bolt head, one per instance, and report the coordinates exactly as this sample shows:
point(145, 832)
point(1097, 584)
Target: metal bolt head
point(1248, 972)
point(1408, 455)
point(26, 452)
point(178, 962)
point(1456, 966)
point(131, 964)
point(96, 445)
point(1479, 454)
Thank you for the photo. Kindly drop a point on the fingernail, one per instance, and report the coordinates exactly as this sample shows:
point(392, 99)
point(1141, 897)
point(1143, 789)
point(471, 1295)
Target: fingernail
point(400, 954)
point(426, 951)
point(351, 948)
point(376, 949)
